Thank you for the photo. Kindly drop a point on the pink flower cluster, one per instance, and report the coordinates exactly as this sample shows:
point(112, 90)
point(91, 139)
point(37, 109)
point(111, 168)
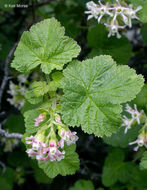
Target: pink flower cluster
point(51, 151)
point(42, 151)
point(126, 13)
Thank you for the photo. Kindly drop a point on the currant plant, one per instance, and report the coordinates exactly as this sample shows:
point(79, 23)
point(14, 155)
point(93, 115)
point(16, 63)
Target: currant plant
point(87, 94)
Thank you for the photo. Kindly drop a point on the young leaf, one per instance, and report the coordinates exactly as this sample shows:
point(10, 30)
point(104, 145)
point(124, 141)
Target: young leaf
point(31, 97)
point(94, 90)
point(143, 163)
point(44, 44)
point(39, 88)
point(83, 185)
point(67, 166)
point(56, 82)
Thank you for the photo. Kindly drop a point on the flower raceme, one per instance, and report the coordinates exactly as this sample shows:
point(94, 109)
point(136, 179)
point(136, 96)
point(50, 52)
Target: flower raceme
point(113, 15)
point(51, 149)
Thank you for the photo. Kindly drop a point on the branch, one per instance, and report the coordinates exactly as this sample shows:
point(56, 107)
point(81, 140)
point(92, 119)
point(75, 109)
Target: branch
point(6, 72)
point(3, 166)
point(10, 135)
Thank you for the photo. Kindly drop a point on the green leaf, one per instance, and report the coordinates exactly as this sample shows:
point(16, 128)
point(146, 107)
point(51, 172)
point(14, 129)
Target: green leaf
point(40, 88)
point(115, 169)
point(121, 139)
point(29, 121)
point(44, 44)
point(143, 163)
point(94, 90)
point(101, 44)
point(31, 97)
point(83, 185)
point(142, 13)
point(57, 81)
point(67, 166)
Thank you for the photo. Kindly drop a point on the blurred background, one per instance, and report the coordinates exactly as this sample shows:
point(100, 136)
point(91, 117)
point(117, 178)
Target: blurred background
point(17, 171)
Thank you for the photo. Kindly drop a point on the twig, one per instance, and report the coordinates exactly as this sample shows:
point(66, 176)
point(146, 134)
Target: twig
point(3, 166)
point(6, 72)
point(10, 135)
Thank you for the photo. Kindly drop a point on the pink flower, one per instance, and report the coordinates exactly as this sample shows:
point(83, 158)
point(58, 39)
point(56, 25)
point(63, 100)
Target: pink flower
point(134, 113)
point(39, 119)
point(31, 152)
point(58, 119)
point(97, 11)
point(68, 137)
point(53, 153)
point(114, 29)
point(131, 14)
point(127, 123)
point(140, 142)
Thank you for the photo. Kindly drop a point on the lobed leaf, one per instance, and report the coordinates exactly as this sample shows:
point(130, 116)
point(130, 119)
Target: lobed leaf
point(32, 98)
point(44, 44)
point(39, 88)
point(94, 90)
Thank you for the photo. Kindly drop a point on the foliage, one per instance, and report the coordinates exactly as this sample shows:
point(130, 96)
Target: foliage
point(81, 83)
